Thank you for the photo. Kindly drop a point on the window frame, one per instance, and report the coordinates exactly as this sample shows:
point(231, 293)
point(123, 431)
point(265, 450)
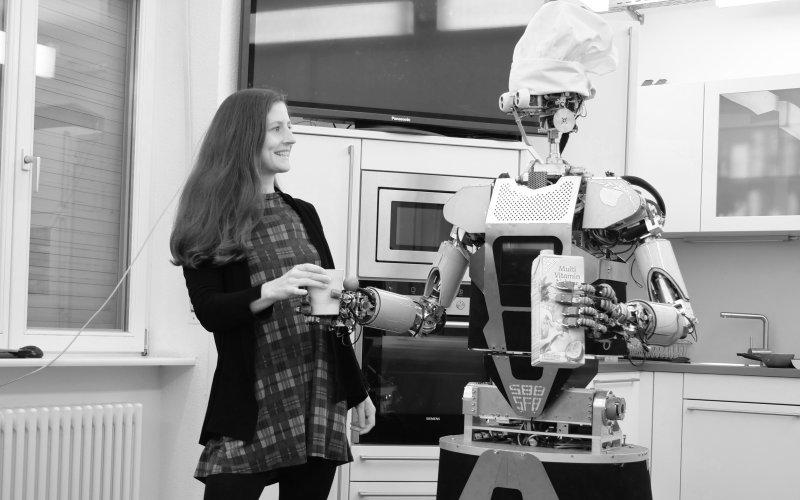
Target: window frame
point(18, 99)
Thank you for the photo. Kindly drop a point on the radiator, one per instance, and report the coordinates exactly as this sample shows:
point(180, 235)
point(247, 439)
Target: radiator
point(88, 452)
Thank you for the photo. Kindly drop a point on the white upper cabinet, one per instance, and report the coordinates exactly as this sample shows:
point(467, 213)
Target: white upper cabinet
point(669, 149)
point(465, 161)
point(725, 155)
point(322, 174)
point(602, 138)
point(751, 155)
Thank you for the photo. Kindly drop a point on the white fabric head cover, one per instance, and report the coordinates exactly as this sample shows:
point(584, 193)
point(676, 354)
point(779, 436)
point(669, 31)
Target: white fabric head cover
point(562, 49)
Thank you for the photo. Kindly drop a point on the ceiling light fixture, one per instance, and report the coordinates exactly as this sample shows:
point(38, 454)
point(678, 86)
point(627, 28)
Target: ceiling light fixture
point(334, 22)
point(598, 6)
point(736, 3)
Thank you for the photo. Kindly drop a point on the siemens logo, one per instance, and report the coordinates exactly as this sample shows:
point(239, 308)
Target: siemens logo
point(432, 418)
point(400, 119)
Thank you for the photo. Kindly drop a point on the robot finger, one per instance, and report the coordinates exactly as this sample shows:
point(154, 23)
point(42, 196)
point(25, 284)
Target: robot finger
point(569, 286)
point(579, 322)
point(568, 299)
point(605, 291)
point(580, 311)
point(598, 332)
point(603, 304)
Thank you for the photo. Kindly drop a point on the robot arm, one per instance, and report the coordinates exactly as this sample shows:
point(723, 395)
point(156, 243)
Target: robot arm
point(400, 314)
point(629, 211)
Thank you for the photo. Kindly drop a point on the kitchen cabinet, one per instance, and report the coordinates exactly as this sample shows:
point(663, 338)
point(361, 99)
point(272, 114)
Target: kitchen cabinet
point(603, 134)
point(394, 463)
point(751, 158)
point(724, 155)
point(739, 450)
point(665, 449)
point(669, 149)
point(637, 390)
point(322, 174)
point(724, 436)
point(393, 491)
point(480, 160)
point(396, 472)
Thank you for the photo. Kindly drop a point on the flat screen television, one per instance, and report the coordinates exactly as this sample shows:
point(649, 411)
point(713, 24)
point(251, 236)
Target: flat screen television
point(431, 65)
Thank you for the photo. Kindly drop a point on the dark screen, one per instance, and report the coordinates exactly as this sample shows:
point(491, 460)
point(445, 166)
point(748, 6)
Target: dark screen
point(517, 259)
point(430, 72)
point(513, 259)
point(418, 227)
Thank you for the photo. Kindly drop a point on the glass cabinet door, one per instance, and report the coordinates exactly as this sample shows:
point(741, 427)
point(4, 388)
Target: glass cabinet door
point(751, 158)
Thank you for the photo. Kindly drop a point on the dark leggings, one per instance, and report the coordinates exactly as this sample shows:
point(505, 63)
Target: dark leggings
point(310, 481)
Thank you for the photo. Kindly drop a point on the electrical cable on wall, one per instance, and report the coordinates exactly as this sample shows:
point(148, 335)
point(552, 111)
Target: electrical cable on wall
point(125, 275)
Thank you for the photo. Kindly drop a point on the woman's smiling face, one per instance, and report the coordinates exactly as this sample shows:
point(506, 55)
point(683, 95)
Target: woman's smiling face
point(278, 142)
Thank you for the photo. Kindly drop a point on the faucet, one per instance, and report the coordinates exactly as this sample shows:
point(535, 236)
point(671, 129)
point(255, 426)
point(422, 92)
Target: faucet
point(765, 347)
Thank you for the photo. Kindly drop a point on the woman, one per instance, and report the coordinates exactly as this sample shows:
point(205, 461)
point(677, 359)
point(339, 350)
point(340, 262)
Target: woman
point(281, 390)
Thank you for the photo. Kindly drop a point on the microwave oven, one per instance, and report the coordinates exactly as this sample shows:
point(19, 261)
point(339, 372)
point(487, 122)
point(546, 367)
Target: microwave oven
point(402, 223)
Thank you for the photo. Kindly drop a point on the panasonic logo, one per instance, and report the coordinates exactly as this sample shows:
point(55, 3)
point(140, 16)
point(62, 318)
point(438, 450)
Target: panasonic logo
point(400, 119)
point(432, 418)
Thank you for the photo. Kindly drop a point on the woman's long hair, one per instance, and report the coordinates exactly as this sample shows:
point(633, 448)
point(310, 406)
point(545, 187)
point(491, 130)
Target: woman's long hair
point(219, 204)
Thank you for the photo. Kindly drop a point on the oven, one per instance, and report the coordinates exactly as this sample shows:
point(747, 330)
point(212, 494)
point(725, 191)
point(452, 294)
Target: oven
point(416, 383)
point(401, 222)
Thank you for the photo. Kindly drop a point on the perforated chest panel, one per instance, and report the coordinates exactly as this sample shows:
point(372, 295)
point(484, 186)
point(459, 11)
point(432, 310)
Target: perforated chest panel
point(513, 203)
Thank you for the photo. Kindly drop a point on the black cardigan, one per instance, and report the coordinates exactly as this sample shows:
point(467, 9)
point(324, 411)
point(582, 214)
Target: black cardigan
point(221, 297)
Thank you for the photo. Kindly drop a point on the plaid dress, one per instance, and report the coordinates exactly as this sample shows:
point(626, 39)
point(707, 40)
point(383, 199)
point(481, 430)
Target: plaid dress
point(297, 414)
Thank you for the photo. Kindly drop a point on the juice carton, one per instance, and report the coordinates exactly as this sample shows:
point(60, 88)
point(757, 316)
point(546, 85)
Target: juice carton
point(552, 343)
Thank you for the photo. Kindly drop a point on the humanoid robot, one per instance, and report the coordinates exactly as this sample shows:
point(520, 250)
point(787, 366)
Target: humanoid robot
point(537, 429)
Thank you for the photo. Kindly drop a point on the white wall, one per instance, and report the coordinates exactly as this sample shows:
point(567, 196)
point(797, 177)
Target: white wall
point(82, 386)
point(700, 42)
point(738, 277)
point(197, 51)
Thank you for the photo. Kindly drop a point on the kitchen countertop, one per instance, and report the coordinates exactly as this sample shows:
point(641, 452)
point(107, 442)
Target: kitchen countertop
point(623, 365)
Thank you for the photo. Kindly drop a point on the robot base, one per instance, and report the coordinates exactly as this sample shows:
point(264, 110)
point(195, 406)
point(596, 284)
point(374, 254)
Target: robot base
point(470, 470)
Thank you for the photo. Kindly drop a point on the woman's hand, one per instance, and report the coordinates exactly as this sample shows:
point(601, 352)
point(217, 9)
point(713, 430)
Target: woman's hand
point(363, 417)
point(289, 285)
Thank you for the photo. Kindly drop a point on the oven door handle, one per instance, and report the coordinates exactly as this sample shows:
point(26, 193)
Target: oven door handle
point(456, 324)
point(395, 457)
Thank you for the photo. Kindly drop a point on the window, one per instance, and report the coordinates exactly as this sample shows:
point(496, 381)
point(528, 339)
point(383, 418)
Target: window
point(66, 229)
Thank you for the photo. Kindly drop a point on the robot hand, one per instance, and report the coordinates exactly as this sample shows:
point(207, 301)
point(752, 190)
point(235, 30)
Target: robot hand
point(594, 308)
point(604, 317)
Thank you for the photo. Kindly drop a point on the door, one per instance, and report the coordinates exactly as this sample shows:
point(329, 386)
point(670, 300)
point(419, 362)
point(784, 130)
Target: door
point(739, 450)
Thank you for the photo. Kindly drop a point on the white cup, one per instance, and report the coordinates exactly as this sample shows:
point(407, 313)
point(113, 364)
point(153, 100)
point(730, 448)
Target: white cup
point(322, 304)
